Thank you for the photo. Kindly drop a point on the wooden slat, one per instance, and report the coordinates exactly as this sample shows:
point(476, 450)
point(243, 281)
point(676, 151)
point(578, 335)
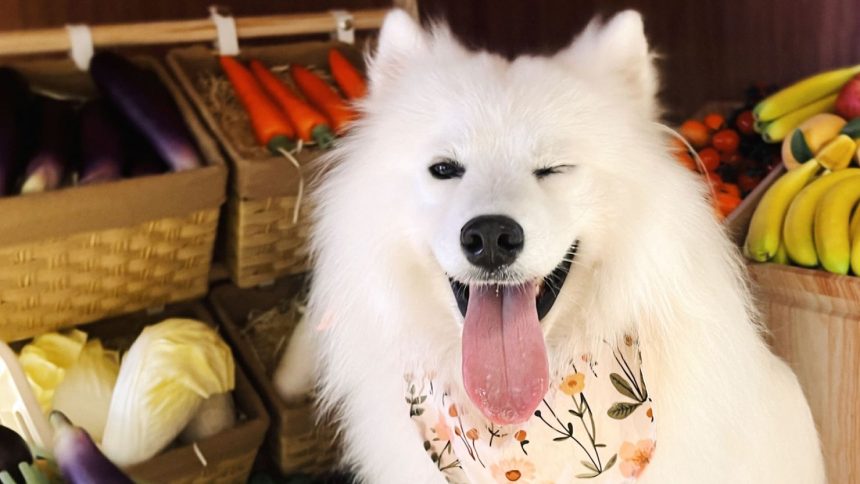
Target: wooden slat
point(814, 323)
point(25, 42)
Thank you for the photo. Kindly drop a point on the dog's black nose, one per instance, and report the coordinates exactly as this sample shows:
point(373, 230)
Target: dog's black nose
point(491, 241)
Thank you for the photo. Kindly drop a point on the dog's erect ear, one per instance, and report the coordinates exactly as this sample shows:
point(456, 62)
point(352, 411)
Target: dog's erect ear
point(399, 39)
point(617, 51)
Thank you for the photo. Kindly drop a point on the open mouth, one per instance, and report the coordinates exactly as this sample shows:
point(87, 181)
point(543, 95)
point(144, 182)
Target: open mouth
point(548, 288)
point(505, 363)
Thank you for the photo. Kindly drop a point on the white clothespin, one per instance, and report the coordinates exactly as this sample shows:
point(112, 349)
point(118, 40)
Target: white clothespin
point(227, 41)
point(344, 26)
point(81, 41)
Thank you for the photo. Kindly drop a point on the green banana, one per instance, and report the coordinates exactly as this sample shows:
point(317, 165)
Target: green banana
point(831, 225)
point(802, 93)
point(765, 228)
point(776, 130)
point(797, 232)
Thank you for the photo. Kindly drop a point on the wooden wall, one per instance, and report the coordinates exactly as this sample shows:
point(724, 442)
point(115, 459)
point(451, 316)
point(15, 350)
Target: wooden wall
point(711, 50)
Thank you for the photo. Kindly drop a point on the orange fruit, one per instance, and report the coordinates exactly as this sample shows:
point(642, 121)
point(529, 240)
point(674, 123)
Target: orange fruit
point(714, 121)
point(686, 160)
point(696, 133)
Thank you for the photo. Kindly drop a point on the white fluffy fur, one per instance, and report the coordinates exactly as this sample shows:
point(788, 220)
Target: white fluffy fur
point(653, 261)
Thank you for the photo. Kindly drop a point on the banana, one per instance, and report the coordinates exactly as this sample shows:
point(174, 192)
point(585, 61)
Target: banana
point(776, 130)
point(803, 92)
point(766, 224)
point(837, 154)
point(831, 224)
point(781, 257)
point(854, 226)
point(797, 233)
point(805, 141)
point(855, 242)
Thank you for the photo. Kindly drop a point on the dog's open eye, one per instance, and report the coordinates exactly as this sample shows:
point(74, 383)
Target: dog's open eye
point(550, 170)
point(447, 169)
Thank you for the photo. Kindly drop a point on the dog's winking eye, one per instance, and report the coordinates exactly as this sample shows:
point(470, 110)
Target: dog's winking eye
point(447, 169)
point(550, 170)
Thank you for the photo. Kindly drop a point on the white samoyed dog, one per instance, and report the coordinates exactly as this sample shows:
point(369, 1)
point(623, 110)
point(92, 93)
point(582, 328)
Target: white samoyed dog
point(505, 252)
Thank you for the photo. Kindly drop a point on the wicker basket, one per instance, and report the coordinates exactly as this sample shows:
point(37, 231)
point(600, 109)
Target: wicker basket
point(262, 242)
point(85, 253)
point(227, 457)
point(296, 442)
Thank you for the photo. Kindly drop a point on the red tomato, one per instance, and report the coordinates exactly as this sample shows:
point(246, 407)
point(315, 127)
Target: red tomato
point(710, 158)
point(747, 182)
point(714, 121)
point(726, 141)
point(696, 133)
point(745, 122)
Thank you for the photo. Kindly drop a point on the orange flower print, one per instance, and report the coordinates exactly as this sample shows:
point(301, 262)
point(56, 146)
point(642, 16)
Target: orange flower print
point(573, 384)
point(472, 434)
point(513, 470)
point(443, 433)
point(635, 458)
point(452, 410)
point(520, 435)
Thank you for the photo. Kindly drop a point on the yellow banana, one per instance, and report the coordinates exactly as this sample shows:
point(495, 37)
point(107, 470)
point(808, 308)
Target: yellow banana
point(776, 130)
point(855, 242)
point(805, 140)
point(781, 257)
point(832, 240)
point(797, 233)
point(854, 227)
point(766, 224)
point(802, 93)
point(837, 154)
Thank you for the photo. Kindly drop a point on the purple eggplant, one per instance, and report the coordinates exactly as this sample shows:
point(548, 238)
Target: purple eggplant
point(13, 451)
point(47, 167)
point(80, 461)
point(147, 103)
point(13, 94)
point(102, 154)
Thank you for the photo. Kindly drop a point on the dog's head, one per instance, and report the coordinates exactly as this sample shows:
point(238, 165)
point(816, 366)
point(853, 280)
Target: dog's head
point(502, 178)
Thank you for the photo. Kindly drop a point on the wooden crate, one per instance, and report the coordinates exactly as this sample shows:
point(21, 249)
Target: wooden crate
point(227, 457)
point(297, 442)
point(84, 253)
point(261, 239)
point(813, 318)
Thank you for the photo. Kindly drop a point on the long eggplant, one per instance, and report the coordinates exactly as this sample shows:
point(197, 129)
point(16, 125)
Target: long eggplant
point(13, 94)
point(102, 156)
point(80, 461)
point(140, 96)
point(48, 166)
point(13, 451)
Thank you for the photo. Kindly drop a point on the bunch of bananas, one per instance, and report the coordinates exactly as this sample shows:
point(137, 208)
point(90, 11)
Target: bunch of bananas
point(778, 115)
point(806, 217)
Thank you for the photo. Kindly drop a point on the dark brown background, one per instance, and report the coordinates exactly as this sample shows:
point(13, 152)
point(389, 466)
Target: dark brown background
point(711, 49)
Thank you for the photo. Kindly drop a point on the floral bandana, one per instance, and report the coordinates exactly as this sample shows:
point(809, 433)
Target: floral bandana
point(595, 424)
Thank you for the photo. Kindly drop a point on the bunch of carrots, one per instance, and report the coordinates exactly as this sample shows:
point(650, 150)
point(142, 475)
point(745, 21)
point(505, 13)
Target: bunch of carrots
point(279, 115)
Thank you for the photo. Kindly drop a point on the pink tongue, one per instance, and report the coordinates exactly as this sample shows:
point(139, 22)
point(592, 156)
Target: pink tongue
point(505, 368)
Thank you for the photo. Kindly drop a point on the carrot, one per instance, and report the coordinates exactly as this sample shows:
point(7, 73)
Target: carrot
point(271, 127)
point(347, 77)
point(322, 97)
point(309, 123)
